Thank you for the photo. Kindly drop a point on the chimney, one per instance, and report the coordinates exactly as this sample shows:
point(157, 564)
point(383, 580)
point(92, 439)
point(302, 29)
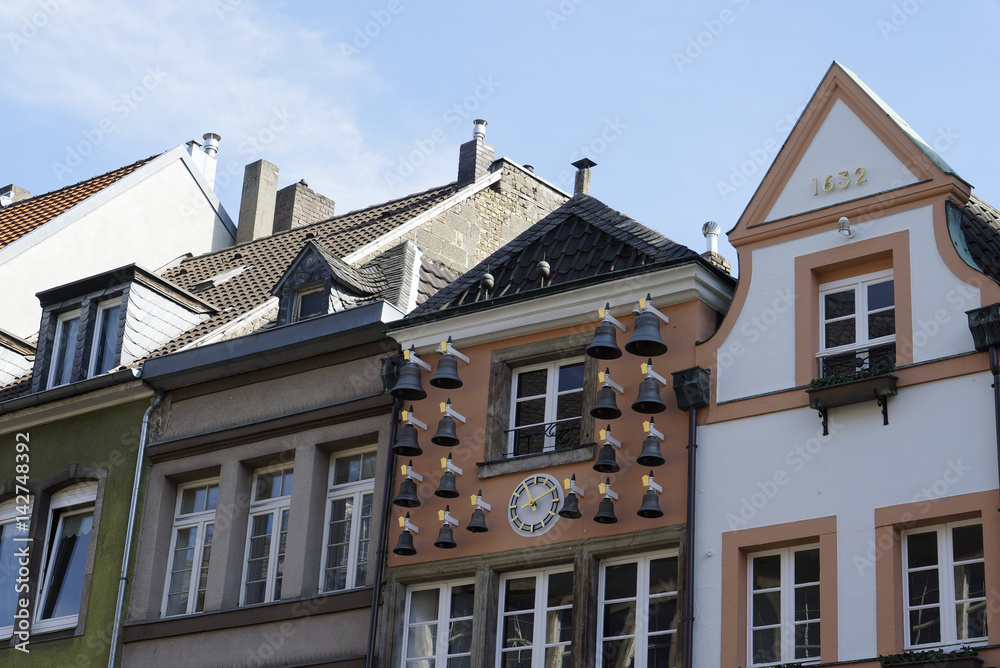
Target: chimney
point(474, 157)
point(260, 187)
point(711, 230)
point(299, 205)
point(582, 186)
point(203, 155)
point(12, 193)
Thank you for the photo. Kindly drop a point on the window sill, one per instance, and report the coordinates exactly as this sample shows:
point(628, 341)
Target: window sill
point(581, 453)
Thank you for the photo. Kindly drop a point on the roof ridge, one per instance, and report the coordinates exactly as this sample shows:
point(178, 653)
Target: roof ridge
point(36, 198)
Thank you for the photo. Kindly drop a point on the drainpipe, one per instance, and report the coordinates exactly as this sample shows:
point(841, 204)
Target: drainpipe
point(995, 368)
point(691, 387)
point(139, 458)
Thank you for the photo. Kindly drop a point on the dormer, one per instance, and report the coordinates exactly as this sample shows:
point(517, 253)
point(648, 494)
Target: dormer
point(113, 319)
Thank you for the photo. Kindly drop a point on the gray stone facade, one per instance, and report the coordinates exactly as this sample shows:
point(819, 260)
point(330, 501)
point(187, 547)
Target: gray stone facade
point(298, 204)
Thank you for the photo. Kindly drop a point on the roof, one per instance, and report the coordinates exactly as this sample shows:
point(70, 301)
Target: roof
point(26, 215)
point(975, 232)
point(583, 238)
point(267, 259)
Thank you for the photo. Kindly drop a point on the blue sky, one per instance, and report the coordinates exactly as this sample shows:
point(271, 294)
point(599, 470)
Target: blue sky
point(369, 101)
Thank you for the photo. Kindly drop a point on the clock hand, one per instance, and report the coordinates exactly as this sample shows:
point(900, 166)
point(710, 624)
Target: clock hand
point(534, 500)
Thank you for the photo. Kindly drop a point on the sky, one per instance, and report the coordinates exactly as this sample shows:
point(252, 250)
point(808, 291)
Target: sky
point(680, 104)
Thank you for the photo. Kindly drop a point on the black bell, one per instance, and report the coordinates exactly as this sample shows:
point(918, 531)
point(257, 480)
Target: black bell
point(650, 505)
point(404, 547)
point(446, 538)
point(605, 346)
point(606, 512)
point(606, 462)
point(478, 522)
point(446, 375)
point(408, 387)
point(571, 507)
point(646, 341)
point(446, 435)
point(650, 455)
point(606, 407)
point(446, 488)
point(407, 494)
point(648, 400)
point(407, 445)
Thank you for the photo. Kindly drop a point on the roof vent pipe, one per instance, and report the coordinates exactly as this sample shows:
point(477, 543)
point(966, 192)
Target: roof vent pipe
point(479, 129)
point(711, 230)
point(211, 143)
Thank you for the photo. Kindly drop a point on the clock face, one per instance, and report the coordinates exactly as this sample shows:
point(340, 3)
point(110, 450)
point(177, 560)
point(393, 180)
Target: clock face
point(534, 505)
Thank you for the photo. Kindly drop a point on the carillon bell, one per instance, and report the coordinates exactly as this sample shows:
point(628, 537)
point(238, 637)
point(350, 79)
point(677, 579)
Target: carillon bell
point(605, 344)
point(606, 462)
point(407, 497)
point(650, 505)
point(404, 546)
point(407, 445)
point(571, 507)
point(646, 341)
point(606, 407)
point(649, 401)
point(408, 387)
point(446, 375)
point(650, 455)
point(478, 522)
point(446, 488)
point(446, 538)
point(446, 434)
point(606, 512)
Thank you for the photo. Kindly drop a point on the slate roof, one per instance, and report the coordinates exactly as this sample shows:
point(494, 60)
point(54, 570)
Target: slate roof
point(22, 217)
point(266, 259)
point(583, 238)
point(975, 231)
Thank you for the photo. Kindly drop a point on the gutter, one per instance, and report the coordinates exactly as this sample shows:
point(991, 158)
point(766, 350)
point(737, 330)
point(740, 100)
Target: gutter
point(70, 390)
point(123, 579)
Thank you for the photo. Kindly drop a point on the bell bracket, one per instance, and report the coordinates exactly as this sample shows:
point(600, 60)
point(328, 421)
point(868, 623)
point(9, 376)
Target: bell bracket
point(609, 439)
point(405, 523)
point(571, 486)
point(604, 377)
point(605, 489)
point(447, 349)
point(647, 307)
point(649, 427)
point(604, 313)
point(408, 417)
point(448, 466)
point(445, 516)
point(410, 473)
point(647, 371)
point(649, 483)
point(411, 356)
point(448, 410)
point(477, 502)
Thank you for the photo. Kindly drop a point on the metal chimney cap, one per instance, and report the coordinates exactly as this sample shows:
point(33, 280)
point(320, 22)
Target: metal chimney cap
point(710, 228)
point(584, 163)
point(479, 129)
point(211, 143)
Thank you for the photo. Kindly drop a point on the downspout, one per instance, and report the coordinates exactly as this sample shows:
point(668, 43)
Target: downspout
point(122, 581)
point(995, 368)
point(692, 449)
point(383, 540)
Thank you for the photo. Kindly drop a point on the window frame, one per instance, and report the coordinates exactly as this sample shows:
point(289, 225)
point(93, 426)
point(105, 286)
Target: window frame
point(69, 349)
point(860, 284)
point(277, 507)
point(641, 635)
point(787, 603)
point(441, 654)
point(946, 584)
point(199, 519)
point(541, 611)
point(551, 398)
point(97, 340)
point(74, 500)
point(301, 292)
point(355, 490)
point(10, 517)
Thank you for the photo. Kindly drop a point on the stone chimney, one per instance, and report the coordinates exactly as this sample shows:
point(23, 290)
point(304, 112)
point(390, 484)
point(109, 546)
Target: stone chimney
point(299, 205)
point(582, 185)
point(260, 187)
point(711, 230)
point(12, 193)
point(474, 157)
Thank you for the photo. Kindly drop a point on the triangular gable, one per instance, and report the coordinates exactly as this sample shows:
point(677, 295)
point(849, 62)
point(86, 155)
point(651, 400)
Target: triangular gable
point(315, 263)
point(848, 145)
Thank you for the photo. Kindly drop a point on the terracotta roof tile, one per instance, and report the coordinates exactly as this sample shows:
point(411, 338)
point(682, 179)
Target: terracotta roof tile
point(22, 217)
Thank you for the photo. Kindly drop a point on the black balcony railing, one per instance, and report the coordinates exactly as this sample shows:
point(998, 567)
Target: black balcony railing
point(531, 440)
point(835, 365)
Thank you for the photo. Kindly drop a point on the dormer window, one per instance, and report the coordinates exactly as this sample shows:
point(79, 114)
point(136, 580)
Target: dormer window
point(310, 302)
point(64, 347)
point(105, 337)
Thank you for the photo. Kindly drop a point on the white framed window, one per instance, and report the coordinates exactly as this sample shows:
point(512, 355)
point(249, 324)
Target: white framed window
point(309, 302)
point(266, 534)
point(67, 549)
point(13, 536)
point(190, 548)
point(347, 538)
point(439, 626)
point(546, 407)
point(64, 348)
point(105, 343)
point(536, 619)
point(638, 612)
point(944, 587)
point(857, 322)
point(783, 606)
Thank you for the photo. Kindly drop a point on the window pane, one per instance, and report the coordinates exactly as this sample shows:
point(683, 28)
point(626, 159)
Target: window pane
point(569, 405)
point(260, 550)
point(213, 497)
point(618, 653)
point(312, 303)
point(767, 572)
point(619, 619)
point(518, 630)
point(421, 640)
point(967, 542)
point(971, 620)
point(807, 603)
point(663, 614)
point(880, 295)
point(766, 645)
point(463, 600)
point(807, 640)
point(567, 434)
point(560, 589)
point(925, 626)
point(193, 500)
point(660, 652)
point(423, 605)
point(663, 575)
point(519, 594)
point(839, 304)
point(970, 581)
point(66, 566)
point(921, 549)
point(8, 573)
point(767, 608)
point(347, 469)
point(532, 383)
point(558, 657)
point(180, 571)
point(619, 581)
point(206, 555)
point(882, 323)
point(521, 656)
point(460, 637)
point(531, 411)
point(65, 346)
point(840, 333)
point(460, 662)
point(559, 625)
point(806, 566)
point(268, 486)
point(368, 461)
point(924, 588)
point(528, 440)
point(107, 337)
point(571, 377)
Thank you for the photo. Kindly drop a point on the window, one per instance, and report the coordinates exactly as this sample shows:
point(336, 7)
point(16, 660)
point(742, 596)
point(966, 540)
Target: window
point(191, 548)
point(427, 610)
point(546, 407)
point(945, 585)
point(858, 323)
point(536, 620)
point(349, 521)
point(310, 302)
point(638, 611)
point(13, 535)
point(265, 552)
point(67, 548)
point(102, 356)
point(64, 348)
point(784, 623)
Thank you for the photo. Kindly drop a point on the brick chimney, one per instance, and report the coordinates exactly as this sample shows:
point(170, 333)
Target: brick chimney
point(260, 187)
point(299, 205)
point(474, 157)
point(582, 185)
point(12, 193)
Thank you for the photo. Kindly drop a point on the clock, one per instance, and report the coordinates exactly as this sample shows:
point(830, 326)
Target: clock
point(534, 505)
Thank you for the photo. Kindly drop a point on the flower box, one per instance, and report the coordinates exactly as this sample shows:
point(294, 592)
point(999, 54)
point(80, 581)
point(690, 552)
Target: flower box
point(852, 392)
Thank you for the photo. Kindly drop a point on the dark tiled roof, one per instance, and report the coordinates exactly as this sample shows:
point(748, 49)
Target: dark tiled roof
point(582, 238)
point(18, 387)
point(368, 279)
point(22, 217)
point(432, 277)
point(978, 224)
point(266, 259)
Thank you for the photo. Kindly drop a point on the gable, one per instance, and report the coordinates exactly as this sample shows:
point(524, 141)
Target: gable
point(844, 161)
